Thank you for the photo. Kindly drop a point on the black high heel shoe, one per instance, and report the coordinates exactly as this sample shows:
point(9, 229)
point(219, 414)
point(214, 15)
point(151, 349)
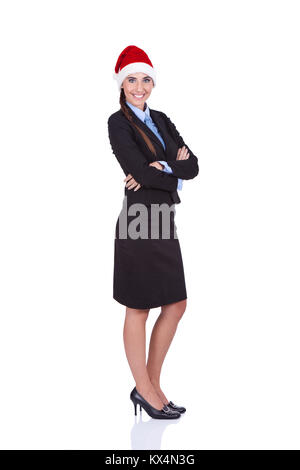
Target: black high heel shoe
point(181, 409)
point(164, 413)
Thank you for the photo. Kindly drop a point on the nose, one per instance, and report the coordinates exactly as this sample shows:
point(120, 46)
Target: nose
point(139, 88)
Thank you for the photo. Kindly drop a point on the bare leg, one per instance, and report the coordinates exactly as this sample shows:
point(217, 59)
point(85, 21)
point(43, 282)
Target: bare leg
point(161, 338)
point(134, 334)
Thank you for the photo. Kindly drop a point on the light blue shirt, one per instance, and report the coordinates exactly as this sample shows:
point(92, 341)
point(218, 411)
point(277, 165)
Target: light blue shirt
point(146, 118)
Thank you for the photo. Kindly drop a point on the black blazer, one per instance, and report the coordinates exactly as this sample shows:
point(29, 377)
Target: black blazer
point(134, 157)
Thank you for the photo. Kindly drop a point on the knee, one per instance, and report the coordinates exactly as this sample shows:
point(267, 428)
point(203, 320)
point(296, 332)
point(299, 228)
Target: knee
point(139, 314)
point(176, 310)
point(181, 308)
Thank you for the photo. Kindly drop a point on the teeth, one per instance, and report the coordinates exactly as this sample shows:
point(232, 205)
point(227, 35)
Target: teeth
point(138, 96)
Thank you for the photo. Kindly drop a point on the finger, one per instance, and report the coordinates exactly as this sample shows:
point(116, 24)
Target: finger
point(128, 177)
point(157, 165)
point(130, 180)
point(132, 184)
point(138, 187)
point(180, 154)
point(153, 164)
point(185, 152)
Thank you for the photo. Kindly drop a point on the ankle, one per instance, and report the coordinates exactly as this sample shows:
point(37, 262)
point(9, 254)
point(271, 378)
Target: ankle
point(155, 383)
point(145, 386)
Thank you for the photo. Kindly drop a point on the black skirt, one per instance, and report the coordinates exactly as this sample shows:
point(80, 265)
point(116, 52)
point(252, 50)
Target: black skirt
point(148, 266)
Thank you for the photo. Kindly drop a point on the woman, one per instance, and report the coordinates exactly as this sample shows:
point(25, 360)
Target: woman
point(148, 268)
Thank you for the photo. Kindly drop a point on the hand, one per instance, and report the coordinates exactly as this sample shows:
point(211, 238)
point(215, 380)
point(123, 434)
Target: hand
point(131, 183)
point(157, 165)
point(182, 153)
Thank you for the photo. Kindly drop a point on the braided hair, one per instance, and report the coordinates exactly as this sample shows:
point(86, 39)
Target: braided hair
point(125, 110)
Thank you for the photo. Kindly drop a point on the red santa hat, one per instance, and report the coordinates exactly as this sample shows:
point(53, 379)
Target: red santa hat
point(131, 60)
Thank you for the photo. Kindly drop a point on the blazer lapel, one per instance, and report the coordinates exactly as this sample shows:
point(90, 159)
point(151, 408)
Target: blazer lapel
point(157, 121)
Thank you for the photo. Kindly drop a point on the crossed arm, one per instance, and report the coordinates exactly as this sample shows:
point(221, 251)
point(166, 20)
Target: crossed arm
point(169, 170)
point(161, 165)
point(136, 167)
point(132, 160)
point(182, 168)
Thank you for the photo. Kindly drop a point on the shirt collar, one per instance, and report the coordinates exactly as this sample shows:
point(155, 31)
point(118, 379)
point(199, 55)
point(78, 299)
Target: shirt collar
point(139, 113)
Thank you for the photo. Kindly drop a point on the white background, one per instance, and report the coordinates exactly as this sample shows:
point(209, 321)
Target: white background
point(228, 76)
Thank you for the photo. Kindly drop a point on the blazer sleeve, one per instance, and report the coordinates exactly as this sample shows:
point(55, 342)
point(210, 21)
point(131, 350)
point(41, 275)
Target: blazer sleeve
point(168, 169)
point(184, 169)
point(133, 161)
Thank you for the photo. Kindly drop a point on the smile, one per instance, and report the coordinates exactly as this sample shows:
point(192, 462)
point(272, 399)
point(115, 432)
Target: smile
point(139, 96)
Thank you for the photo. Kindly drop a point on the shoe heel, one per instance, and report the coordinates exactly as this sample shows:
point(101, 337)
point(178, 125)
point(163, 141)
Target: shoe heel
point(165, 413)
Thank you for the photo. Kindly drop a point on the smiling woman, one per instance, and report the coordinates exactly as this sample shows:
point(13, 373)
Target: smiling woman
point(148, 266)
point(137, 89)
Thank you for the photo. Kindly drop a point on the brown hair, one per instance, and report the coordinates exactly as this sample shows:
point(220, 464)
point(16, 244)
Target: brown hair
point(129, 117)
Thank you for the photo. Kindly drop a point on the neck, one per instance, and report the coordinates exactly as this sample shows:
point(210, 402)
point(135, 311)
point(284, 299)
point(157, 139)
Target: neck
point(143, 108)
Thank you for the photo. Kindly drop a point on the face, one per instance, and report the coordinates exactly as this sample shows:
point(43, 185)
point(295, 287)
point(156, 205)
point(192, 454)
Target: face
point(137, 88)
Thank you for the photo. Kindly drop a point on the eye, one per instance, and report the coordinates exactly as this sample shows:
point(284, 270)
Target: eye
point(131, 80)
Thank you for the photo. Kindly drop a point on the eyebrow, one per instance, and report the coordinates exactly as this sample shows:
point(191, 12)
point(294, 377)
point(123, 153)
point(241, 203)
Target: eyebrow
point(136, 77)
